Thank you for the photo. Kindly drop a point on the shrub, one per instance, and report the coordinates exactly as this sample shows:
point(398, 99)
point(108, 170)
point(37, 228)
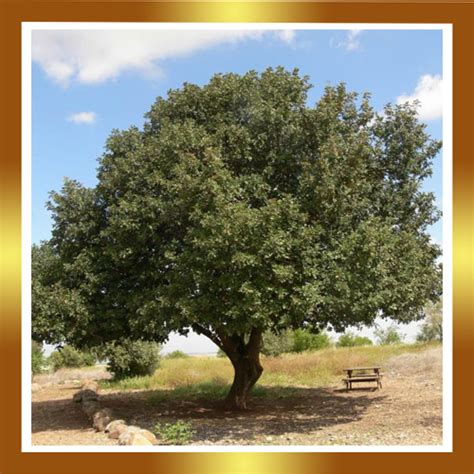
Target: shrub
point(432, 329)
point(351, 340)
point(388, 336)
point(277, 344)
point(303, 340)
point(128, 358)
point(69, 356)
point(177, 355)
point(180, 432)
point(37, 357)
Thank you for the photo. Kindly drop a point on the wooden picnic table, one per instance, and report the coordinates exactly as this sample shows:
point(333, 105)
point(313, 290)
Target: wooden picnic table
point(362, 374)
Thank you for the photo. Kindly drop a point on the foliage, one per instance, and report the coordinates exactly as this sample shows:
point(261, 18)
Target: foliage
point(128, 358)
point(389, 335)
point(69, 356)
point(237, 209)
point(277, 344)
point(351, 340)
point(177, 355)
point(37, 357)
point(304, 340)
point(432, 329)
point(177, 433)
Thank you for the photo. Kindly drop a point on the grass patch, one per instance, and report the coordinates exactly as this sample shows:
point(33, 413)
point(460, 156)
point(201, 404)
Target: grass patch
point(210, 377)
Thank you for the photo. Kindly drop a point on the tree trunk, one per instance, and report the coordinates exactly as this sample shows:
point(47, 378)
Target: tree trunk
point(245, 359)
point(247, 370)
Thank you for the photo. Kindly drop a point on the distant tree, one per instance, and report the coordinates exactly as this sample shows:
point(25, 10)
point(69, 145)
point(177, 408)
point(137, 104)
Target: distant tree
point(304, 340)
point(177, 355)
point(68, 356)
point(349, 339)
point(238, 209)
point(274, 344)
point(432, 329)
point(389, 335)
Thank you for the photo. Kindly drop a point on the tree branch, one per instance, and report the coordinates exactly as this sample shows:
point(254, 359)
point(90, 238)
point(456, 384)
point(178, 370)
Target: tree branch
point(208, 333)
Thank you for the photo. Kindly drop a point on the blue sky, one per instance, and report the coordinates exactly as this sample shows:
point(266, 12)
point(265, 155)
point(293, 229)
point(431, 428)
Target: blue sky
point(84, 84)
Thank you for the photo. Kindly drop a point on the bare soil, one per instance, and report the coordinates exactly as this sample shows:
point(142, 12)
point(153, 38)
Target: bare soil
point(406, 411)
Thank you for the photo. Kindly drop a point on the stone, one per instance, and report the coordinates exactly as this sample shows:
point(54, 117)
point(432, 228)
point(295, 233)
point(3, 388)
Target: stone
point(101, 419)
point(88, 394)
point(149, 436)
point(140, 440)
point(89, 407)
point(115, 428)
point(77, 397)
point(131, 438)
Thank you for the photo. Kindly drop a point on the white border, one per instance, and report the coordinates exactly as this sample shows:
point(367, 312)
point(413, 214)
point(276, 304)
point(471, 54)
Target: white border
point(28, 27)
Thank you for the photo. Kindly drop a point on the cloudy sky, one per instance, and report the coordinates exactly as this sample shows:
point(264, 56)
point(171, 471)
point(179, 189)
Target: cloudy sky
point(85, 83)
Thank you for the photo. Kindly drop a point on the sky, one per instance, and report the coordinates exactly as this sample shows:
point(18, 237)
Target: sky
point(85, 83)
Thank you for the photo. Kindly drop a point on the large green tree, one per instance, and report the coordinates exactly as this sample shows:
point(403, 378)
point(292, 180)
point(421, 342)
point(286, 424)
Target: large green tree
point(239, 208)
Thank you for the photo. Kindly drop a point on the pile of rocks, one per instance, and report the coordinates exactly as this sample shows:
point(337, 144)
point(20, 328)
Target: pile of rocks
point(103, 419)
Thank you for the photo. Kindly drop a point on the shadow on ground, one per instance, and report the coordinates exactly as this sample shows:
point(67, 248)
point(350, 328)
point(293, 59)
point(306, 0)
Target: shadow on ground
point(278, 412)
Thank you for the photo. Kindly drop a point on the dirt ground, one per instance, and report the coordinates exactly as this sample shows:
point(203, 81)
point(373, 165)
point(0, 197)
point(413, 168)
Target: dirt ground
point(406, 411)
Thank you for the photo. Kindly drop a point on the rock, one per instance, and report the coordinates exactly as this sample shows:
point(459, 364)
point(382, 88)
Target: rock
point(88, 394)
point(149, 436)
point(77, 397)
point(35, 387)
point(140, 440)
point(89, 407)
point(115, 428)
point(131, 438)
point(101, 419)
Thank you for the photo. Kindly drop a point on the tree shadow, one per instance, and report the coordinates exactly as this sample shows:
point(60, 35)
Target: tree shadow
point(275, 412)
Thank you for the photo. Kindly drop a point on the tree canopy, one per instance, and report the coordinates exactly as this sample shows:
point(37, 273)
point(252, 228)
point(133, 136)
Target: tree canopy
point(239, 208)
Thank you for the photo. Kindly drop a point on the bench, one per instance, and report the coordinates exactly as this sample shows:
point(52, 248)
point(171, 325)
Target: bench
point(362, 374)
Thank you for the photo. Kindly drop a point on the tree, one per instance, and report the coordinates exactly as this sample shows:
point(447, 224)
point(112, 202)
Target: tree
point(304, 340)
point(351, 340)
point(274, 344)
point(239, 208)
point(432, 329)
point(389, 335)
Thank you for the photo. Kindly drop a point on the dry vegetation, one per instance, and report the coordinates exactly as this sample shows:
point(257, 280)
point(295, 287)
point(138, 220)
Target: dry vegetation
point(299, 400)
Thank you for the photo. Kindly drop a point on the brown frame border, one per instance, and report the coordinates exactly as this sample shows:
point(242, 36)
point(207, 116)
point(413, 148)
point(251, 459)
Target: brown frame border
point(461, 15)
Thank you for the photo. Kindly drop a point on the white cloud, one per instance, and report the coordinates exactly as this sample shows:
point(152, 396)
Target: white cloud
point(351, 41)
point(429, 94)
point(82, 117)
point(95, 56)
point(287, 36)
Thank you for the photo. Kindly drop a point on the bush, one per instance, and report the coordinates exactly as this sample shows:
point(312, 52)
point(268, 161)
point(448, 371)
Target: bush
point(388, 336)
point(69, 356)
point(177, 355)
point(180, 432)
point(432, 329)
point(277, 344)
point(37, 357)
point(303, 340)
point(128, 358)
point(351, 340)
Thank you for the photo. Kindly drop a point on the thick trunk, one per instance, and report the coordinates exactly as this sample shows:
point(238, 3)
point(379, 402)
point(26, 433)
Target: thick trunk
point(245, 358)
point(247, 370)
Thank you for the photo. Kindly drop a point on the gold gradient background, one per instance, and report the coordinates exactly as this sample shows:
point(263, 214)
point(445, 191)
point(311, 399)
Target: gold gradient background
point(11, 458)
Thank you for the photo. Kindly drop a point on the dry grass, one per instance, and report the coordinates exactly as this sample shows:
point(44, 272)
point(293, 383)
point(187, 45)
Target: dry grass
point(315, 369)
